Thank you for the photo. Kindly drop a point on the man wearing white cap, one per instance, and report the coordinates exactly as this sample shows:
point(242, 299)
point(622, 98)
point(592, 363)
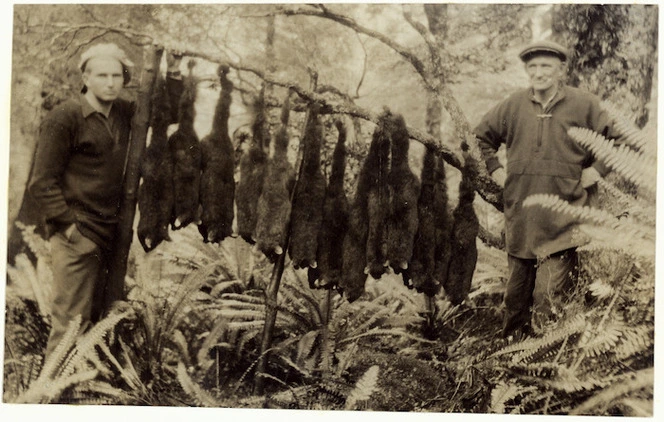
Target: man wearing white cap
point(77, 181)
point(541, 158)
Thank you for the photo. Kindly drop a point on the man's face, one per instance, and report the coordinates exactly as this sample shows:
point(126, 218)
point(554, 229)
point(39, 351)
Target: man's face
point(544, 72)
point(103, 77)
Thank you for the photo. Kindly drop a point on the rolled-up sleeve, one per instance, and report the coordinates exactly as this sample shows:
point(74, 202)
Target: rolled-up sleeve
point(491, 133)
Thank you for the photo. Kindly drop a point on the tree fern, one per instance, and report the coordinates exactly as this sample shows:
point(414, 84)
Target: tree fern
point(636, 167)
point(629, 131)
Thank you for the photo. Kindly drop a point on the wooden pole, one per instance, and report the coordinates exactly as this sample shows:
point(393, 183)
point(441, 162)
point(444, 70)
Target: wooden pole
point(275, 279)
point(139, 130)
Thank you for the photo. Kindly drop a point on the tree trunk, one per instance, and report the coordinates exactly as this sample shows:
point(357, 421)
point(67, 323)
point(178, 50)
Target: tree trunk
point(139, 125)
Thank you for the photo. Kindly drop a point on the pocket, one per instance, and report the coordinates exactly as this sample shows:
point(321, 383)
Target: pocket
point(80, 243)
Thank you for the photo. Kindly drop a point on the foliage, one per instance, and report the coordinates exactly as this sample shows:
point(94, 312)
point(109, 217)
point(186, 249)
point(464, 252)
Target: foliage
point(613, 51)
point(597, 357)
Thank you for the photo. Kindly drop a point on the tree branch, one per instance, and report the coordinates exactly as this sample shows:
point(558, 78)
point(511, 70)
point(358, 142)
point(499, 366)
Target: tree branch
point(348, 22)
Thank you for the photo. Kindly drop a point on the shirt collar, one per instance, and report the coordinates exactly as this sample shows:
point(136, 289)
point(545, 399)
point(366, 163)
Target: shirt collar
point(559, 95)
point(87, 109)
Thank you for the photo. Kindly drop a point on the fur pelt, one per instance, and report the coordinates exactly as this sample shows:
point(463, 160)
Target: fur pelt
point(356, 244)
point(307, 212)
point(463, 250)
point(335, 218)
point(252, 174)
point(217, 190)
point(155, 194)
point(274, 204)
point(186, 156)
point(378, 196)
point(404, 189)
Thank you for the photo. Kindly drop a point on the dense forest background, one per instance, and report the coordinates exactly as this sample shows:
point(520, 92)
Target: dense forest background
point(440, 66)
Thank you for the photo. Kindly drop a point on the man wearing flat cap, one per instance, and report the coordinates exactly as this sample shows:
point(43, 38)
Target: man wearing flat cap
point(77, 182)
point(541, 158)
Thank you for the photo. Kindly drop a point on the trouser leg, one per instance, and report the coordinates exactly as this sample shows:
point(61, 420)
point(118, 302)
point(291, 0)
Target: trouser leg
point(76, 265)
point(556, 275)
point(518, 293)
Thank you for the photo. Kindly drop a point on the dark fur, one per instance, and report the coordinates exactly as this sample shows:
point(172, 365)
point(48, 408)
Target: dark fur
point(307, 213)
point(404, 193)
point(378, 197)
point(274, 204)
point(155, 195)
point(463, 244)
point(217, 190)
point(335, 218)
point(443, 223)
point(424, 251)
point(252, 174)
point(186, 155)
point(355, 245)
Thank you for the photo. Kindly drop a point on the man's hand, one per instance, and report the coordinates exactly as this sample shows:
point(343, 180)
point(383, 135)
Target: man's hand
point(589, 176)
point(69, 231)
point(499, 176)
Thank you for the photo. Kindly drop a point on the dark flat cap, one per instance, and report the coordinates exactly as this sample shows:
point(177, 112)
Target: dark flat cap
point(543, 47)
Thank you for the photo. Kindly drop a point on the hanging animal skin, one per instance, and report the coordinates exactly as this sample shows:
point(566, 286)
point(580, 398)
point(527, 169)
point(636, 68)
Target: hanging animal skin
point(335, 219)
point(252, 174)
point(404, 193)
point(155, 194)
point(274, 204)
point(307, 213)
point(217, 190)
point(464, 233)
point(186, 155)
point(378, 196)
point(356, 242)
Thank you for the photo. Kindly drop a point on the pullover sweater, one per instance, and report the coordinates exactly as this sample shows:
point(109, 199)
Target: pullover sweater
point(542, 158)
point(79, 165)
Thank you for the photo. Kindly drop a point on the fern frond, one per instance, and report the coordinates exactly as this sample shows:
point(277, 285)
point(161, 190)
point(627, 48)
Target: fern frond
point(634, 340)
point(641, 210)
point(533, 345)
point(585, 213)
point(242, 299)
point(193, 390)
point(60, 353)
point(635, 382)
point(600, 289)
point(306, 344)
point(631, 134)
point(377, 332)
point(50, 390)
point(89, 340)
point(503, 393)
point(364, 388)
point(606, 339)
point(636, 167)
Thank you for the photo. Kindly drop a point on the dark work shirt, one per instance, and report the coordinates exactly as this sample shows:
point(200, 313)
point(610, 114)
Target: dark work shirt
point(79, 166)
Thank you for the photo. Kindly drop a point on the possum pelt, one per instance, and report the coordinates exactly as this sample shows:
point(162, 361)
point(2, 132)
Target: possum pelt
point(307, 212)
point(217, 191)
point(464, 233)
point(186, 155)
point(335, 220)
point(355, 246)
point(431, 249)
point(404, 189)
point(155, 194)
point(378, 196)
point(274, 204)
point(252, 174)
